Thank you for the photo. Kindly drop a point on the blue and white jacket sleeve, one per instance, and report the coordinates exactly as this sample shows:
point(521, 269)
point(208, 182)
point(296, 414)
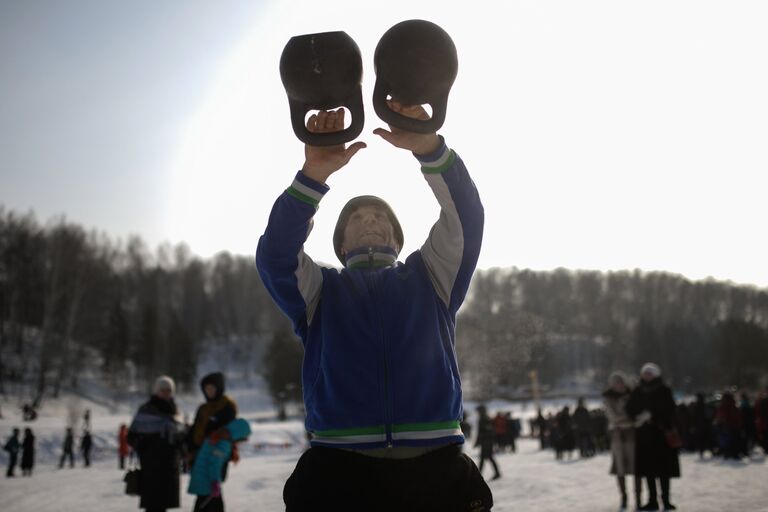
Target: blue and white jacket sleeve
point(453, 246)
point(292, 278)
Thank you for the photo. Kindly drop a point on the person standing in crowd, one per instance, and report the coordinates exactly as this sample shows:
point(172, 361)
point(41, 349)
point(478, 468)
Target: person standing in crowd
point(565, 441)
point(28, 452)
point(122, 444)
point(728, 424)
point(208, 472)
point(486, 438)
point(541, 430)
point(500, 431)
point(12, 446)
point(761, 419)
point(748, 420)
point(652, 405)
point(622, 432)
point(701, 425)
point(583, 429)
point(68, 449)
point(86, 443)
point(157, 439)
point(217, 411)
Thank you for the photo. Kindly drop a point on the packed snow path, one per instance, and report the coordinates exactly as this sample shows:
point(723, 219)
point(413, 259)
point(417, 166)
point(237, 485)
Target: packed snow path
point(532, 480)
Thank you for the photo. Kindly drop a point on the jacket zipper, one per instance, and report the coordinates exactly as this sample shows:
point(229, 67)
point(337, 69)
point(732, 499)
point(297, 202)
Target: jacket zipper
point(387, 412)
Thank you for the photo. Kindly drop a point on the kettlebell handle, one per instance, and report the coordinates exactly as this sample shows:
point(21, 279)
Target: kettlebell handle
point(353, 105)
point(410, 124)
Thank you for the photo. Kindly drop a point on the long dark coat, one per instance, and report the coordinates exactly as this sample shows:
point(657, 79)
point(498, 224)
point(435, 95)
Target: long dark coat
point(28, 452)
point(154, 435)
point(653, 456)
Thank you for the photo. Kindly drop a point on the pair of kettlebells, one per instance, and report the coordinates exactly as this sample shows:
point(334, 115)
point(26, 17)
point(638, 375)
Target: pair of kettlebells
point(415, 63)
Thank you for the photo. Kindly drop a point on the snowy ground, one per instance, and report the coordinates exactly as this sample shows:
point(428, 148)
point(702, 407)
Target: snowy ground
point(532, 479)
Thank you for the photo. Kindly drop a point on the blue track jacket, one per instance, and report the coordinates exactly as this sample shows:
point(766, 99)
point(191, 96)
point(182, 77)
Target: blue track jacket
point(379, 335)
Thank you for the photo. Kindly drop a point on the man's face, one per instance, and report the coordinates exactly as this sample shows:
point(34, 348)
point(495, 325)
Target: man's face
point(368, 226)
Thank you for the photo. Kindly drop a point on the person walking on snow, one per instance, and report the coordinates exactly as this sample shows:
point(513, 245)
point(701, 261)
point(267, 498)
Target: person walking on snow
point(380, 378)
point(12, 446)
point(68, 449)
point(486, 439)
point(208, 471)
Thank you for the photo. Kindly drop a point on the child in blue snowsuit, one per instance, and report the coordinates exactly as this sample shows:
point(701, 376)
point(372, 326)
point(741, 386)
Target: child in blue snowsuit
point(206, 476)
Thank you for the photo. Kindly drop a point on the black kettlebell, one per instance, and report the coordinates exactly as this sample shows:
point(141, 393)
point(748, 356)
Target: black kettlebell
point(416, 64)
point(321, 72)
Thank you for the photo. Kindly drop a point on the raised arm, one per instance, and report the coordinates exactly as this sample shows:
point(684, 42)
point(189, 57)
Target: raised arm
point(292, 278)
point(453, 246)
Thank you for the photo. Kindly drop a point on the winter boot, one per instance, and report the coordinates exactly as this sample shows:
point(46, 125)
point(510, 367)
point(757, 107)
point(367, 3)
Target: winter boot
point(651, 505)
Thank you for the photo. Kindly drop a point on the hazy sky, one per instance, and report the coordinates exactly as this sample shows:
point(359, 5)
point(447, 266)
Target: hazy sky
point(602, 135)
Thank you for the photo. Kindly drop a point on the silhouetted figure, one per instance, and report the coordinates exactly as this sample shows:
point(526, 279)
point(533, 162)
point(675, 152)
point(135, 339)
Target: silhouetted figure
point(86, 443)
point(541, 430)
point(67, 449)
point(565, 441)
point(122, 445)
point(28, 452)
point(466, 427)
point(728, 424)
point(651, 404)
point(12, 446)
point(749, 433)
point(583, 429)
point(761, 420)
point(486, 437)
point(701, 425)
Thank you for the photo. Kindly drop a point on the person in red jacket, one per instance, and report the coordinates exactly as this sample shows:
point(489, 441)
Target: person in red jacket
point(122, 445)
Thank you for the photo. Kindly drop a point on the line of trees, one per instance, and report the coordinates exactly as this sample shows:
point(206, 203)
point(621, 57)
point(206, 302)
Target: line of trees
point(71, 300)
point(704, 334)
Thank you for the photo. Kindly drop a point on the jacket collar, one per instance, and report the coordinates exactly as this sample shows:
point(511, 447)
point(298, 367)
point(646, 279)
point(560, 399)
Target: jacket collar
point(371, 257)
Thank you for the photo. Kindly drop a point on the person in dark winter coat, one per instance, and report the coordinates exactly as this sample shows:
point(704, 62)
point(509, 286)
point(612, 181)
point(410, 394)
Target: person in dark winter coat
point(583, 429)
point(156, 436)
point(217, 411)
point(68, 449)
point(86, 443)
point(12, 446)
point(28, 452)
point(761, 420)
point(652, 406)
point(728, 423)
point(748, 420)
point(565, 441)
point(622, 431)
point(701, 426)
point(486, 438)
point(122, 445)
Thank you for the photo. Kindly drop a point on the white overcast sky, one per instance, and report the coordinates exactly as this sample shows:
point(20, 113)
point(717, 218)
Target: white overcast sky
point(602, 135)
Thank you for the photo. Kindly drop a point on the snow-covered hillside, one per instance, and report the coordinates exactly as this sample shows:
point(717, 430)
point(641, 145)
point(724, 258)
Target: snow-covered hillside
point(532, 479)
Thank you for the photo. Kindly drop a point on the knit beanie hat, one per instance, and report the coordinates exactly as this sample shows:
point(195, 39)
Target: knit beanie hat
point(164, 382)
point(349, 208)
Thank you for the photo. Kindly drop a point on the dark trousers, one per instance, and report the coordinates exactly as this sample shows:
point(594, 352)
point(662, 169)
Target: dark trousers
point(87, 458)
point(209, 504)
point(12, 458)
point(487, 454)
point(664, 484)
point(64, 457)
point(444, 480)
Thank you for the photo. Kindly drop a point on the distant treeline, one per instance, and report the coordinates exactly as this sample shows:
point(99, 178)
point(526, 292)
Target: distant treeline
point(69, 297)
point(563, 323)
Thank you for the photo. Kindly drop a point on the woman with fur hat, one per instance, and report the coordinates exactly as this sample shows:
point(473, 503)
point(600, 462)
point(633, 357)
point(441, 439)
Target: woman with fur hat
point(156, 435)
point(652, 406)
